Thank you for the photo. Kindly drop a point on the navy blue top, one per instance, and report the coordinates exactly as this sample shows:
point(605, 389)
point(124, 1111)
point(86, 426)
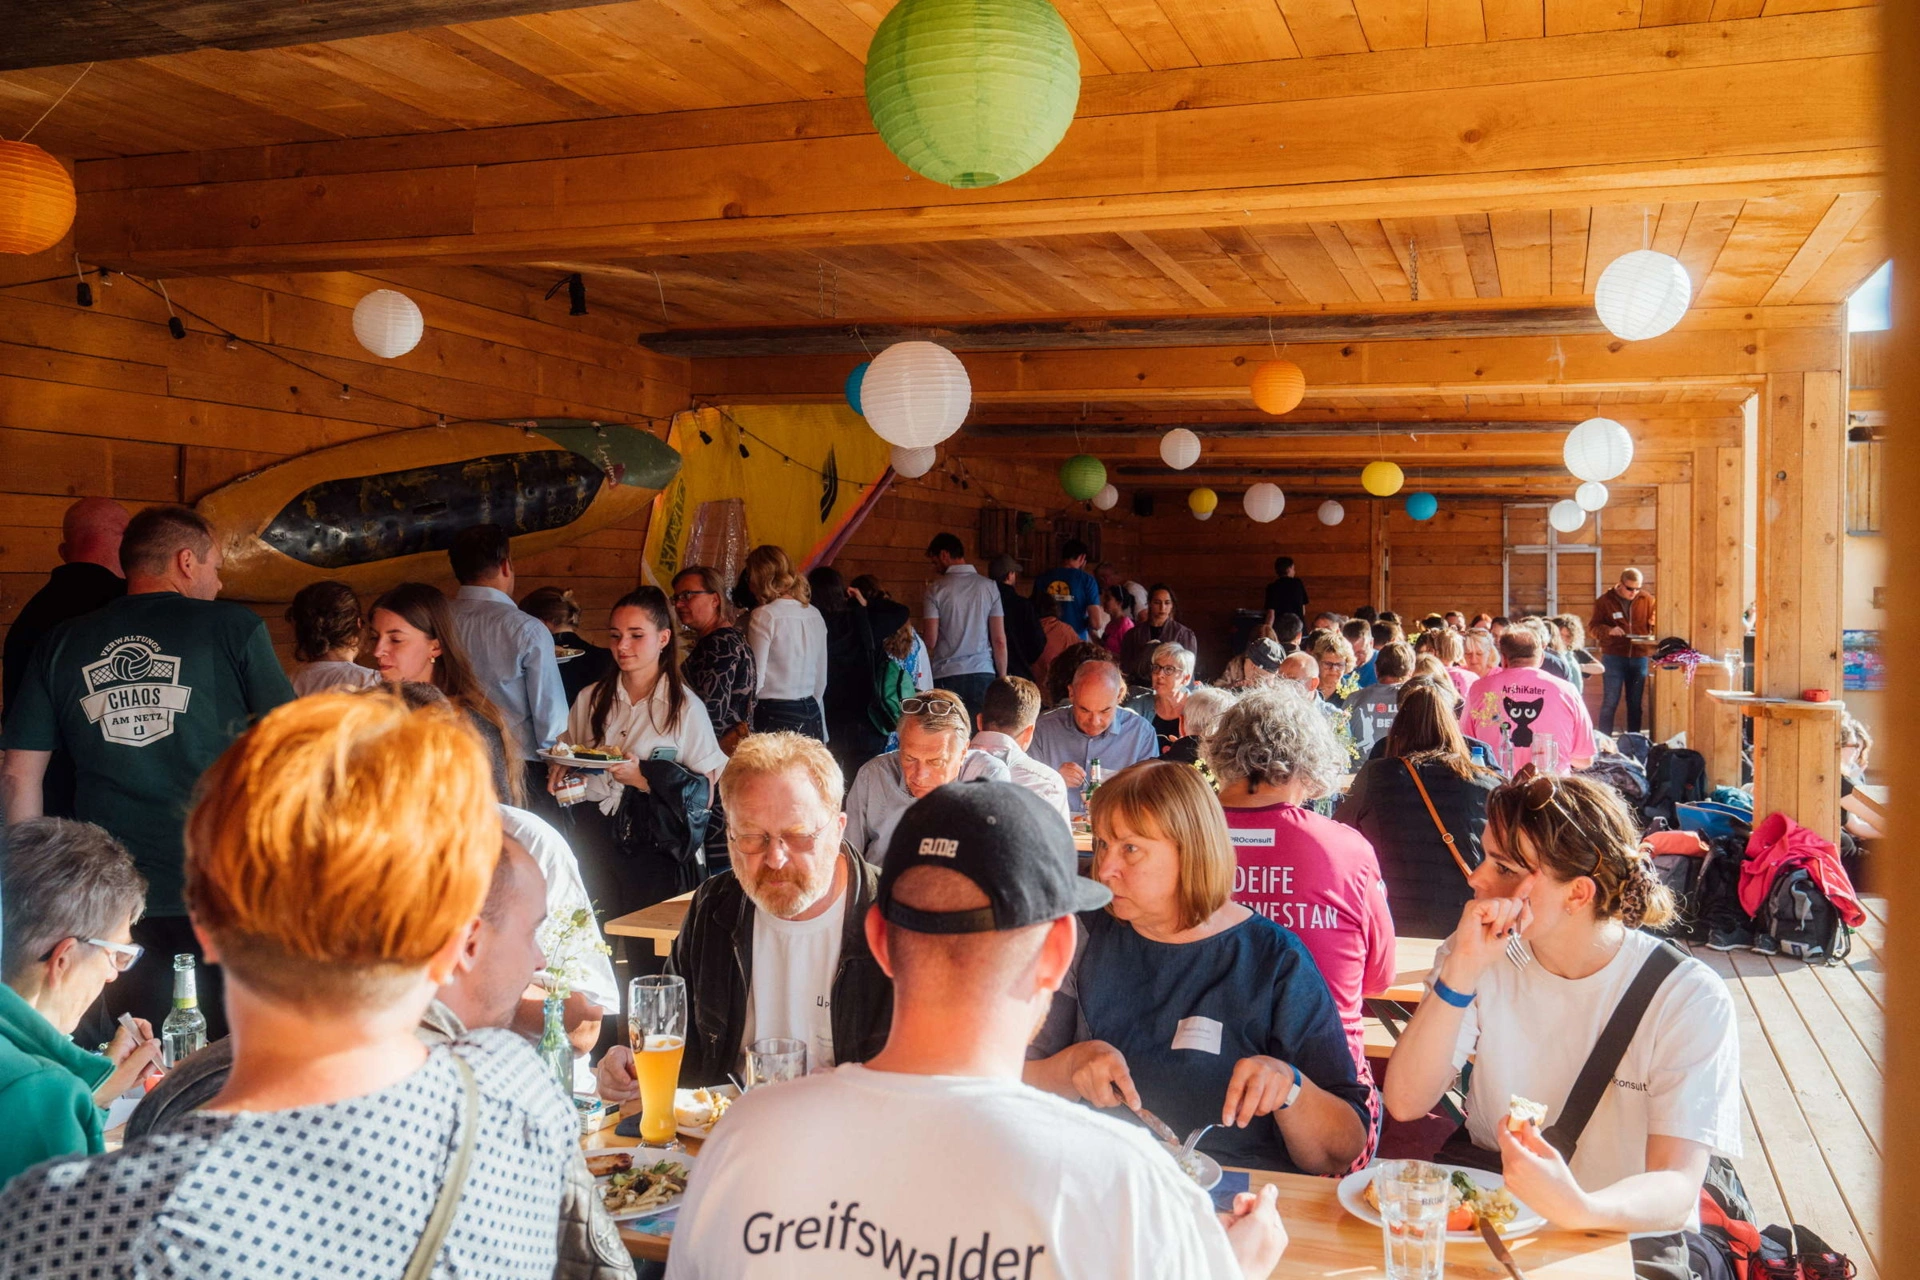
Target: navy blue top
point(1257, 981)
point(1072, 591)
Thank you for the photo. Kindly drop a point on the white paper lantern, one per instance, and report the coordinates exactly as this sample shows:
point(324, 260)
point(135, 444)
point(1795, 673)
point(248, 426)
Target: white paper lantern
point(1203, 515)
point(1642, 294)
point(911, 464)
point(1566, 515)
point(1264, 502)
point(1331, 512)
point(1107, 499)
point(1591, 496)
point(388, 323)
point(916, 394)
point(1598, 450)
point(1179, 448)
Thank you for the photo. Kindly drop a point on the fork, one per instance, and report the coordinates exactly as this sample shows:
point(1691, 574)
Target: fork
point(1517, 951)
point(1193, 1139)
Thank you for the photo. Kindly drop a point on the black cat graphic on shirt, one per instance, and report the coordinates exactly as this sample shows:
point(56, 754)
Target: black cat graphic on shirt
point(1521, 716)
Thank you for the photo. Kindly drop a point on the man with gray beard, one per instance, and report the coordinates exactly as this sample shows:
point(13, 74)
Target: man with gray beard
point(779, 947)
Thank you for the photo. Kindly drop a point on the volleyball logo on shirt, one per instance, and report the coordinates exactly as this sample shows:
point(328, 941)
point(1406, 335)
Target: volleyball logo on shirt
point(134, 692)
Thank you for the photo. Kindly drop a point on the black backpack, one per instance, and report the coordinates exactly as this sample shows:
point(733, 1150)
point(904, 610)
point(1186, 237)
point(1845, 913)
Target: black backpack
point(1675, 776)
point(1800, 917)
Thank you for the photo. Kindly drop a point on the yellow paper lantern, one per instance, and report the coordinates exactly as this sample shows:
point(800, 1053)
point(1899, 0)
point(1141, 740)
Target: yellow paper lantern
point(1202, 502)
point(1278, 386)
point(36, 199)
point(1382, 479)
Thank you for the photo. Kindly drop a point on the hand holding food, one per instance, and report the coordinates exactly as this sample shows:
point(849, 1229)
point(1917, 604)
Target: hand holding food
point(1537, 1174)
point(1100, 1074)
point(1523, 1111)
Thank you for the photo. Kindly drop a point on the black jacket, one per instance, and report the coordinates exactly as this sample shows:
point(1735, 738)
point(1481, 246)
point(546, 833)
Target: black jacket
point(1425, 889)
point(714, 953)
point(1025, 639)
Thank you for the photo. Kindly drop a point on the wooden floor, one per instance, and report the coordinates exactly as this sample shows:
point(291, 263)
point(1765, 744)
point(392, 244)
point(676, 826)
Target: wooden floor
point(1813, 1065)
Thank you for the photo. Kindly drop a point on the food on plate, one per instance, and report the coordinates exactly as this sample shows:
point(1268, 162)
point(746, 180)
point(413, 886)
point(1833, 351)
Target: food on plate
point(609, 1162)
point(592, 753)
point(561, 654)
point(634, 1190)
point(560, 749)
point(1467, 1203)
point(702, 1108)
point(1521, 1110)
point(1192, 1165)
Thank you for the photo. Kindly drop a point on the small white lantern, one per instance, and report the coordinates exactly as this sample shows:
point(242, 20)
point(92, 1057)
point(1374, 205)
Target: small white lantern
point(1107, 499)
point(387, 323)
point(1566, 515)
point(1331, 512)
point(916, 394)
point(911, 464)
point(1599, 449)
point(1179, 448)
point(1264, 502)
point(1591, 496)
point(1642, 294)
point(1203, 515)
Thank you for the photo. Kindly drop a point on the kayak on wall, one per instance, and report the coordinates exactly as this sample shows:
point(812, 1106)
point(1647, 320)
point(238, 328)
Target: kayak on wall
point(380, 511)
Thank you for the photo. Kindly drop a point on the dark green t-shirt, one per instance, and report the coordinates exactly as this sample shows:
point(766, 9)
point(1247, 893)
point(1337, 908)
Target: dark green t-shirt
point(144, 695)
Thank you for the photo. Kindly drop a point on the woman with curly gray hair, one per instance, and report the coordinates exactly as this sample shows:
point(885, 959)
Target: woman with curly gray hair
point(1274, 751)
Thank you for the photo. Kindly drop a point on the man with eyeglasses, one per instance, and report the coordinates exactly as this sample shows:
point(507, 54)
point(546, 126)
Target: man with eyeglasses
point(935, 735)
point(1618, 616)
point(71, 895)
point(778, 947)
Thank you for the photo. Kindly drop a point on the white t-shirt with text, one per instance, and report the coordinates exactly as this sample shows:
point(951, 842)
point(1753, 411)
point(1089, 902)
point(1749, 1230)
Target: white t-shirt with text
point(860, 1174)
point(793, 968)
point(1530, 1032)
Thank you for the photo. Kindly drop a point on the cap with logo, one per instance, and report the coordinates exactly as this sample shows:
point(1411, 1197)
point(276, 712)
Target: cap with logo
point(1014, 847)
point(1264, 654)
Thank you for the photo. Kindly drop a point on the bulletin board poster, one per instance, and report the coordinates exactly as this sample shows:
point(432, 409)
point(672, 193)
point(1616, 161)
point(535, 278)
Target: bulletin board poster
point(1860, 660)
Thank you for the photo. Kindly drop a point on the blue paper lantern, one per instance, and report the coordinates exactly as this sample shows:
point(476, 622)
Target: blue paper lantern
point(854, 379)
point(1421, 506)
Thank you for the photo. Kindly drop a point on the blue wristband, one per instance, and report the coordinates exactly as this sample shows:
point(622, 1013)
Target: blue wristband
point(1457, 999)
point(1294, 1092)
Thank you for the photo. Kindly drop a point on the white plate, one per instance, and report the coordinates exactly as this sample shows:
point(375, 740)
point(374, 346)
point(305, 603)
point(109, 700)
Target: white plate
point(574, 762)
point(1353, 1198)
point(1210, 1170)
point(567, 655)
point(643, 1156)
point(684, 1098)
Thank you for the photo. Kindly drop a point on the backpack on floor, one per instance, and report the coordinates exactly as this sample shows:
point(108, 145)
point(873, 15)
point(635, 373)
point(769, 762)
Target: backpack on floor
point(1675, 776)
point(1798, 916)
point(1716, 894)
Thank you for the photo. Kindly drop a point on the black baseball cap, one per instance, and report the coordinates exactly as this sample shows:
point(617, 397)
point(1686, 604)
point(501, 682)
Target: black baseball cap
point(1264, 654)
point(1012, 844)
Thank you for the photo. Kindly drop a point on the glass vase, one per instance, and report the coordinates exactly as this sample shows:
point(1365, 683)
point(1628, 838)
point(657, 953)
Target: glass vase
point(555, 1049)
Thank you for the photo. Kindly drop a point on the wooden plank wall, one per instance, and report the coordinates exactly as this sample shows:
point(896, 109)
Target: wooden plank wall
point(102, 401)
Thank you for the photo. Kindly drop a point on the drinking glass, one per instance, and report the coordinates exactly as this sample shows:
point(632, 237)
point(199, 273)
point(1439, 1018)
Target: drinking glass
point(1413, 1217)
point(1546, 750)
point(1731, 659)
point(771, 1061)
point(657, 1027)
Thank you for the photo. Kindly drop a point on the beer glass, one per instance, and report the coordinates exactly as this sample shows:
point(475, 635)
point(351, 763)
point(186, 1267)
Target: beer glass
point(657, 1027)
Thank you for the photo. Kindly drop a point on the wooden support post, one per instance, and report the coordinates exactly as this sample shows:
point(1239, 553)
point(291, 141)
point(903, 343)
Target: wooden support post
point(1718, 493)
point(1802, 474)
point(1673, 571)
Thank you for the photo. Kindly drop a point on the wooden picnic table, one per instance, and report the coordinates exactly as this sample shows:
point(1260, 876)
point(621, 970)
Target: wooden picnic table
point(1324, 1240)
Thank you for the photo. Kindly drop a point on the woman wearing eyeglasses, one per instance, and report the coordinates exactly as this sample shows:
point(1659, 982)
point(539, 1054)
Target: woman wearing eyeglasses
point(1172, 671)
point(71, 896)
point(719, 666)
point(1542, 958)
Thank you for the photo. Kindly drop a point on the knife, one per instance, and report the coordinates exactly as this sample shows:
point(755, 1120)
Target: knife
point(1158, 1127)
point(1499, 1247)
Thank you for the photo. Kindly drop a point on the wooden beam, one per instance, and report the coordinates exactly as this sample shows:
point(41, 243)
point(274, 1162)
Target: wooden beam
point(1691, 113)
point(1132, 332)
point(1270, 429)
point(74, 31)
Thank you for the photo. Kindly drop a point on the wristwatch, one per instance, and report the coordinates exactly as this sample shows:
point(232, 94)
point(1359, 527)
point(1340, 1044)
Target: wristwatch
point(1294, 1092)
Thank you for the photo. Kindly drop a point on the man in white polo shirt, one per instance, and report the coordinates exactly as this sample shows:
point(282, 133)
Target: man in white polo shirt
point(933, 1159)
point(963, 622)
point(1006, 723)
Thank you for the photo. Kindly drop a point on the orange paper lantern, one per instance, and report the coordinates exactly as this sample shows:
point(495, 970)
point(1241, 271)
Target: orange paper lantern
point(1278, 386)
point(36, 199)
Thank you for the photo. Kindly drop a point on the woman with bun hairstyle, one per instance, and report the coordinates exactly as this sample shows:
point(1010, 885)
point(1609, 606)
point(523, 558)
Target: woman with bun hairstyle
point(1565, 870)
point(327, 631)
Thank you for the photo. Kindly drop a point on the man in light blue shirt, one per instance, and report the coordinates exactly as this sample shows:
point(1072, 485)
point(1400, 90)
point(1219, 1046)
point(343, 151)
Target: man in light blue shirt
point(511, 652)
point(964, 623)
point(1092, 726)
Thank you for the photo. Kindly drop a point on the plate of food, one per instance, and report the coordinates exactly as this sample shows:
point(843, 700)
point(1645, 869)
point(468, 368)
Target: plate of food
point(696, 1111)
point(1198, 1165)
point(562, 653)
point(591, 759)
point(637, 1183)
point(1475, 1194)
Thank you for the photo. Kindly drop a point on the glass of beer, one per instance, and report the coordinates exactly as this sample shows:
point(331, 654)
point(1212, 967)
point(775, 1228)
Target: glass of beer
point(657, 1026)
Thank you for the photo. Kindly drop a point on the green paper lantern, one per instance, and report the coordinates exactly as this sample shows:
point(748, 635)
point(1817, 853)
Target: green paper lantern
point(971, 93)
point(1082, 476)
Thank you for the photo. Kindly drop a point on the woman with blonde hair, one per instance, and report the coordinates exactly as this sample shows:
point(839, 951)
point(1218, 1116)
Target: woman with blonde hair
point(338, 855)
point(789, 642)
point(1542, 958)
point(1448, 648)
point(1189, 1004)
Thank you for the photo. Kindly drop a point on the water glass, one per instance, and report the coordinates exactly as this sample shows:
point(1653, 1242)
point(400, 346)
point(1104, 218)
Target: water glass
point(1413, 1217)
point(1546, 751)
point(1731, 660)
point(771, 1061)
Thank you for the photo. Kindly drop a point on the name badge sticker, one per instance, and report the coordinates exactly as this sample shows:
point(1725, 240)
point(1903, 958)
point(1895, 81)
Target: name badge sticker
point(1197, 1033)
point(1251, 838)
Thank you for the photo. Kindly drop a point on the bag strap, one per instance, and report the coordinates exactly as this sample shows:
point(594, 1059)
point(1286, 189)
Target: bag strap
point(440, 1221)
point(1597, 1074)
point(1445, 835)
